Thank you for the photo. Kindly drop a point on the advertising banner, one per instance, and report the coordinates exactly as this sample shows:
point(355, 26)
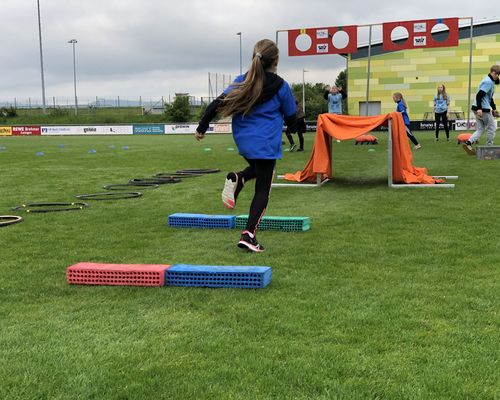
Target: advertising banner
point(149, 129)
point(316, 41)
point(87, 130)
point(180, 128)
point(5, 130)
point(220, 128)
point(191, 128)
point(26, 130)
point(461, 125)
point(420, 34)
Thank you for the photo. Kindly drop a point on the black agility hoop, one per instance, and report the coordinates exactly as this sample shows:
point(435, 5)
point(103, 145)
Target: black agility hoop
point(157, 181)
point(109, 196)
point(167, 175)
point(198, 171)
point(126, 186)
point(34, 207)
point(9, 220)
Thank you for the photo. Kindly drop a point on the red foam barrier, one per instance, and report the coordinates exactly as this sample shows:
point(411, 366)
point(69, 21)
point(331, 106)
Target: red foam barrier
point(86, 273)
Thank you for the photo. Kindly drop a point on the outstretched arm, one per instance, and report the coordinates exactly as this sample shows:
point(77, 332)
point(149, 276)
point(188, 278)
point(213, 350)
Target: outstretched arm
point(208, 116)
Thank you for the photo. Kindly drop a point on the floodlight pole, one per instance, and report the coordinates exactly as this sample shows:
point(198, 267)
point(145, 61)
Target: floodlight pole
point(44, 108)
point(73, 42)
point(241, 63)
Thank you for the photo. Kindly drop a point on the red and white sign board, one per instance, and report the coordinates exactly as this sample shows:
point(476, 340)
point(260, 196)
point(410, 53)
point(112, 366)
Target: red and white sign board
point(419, 34)
point(26, 130)
point(317, 41)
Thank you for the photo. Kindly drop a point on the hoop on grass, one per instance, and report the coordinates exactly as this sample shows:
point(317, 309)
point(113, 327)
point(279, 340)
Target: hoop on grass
point(166, 175)
point(9, 220)
point(109, 196)
point(50, 207)
point(125, 186)
point(156, 181)
point(198, 171)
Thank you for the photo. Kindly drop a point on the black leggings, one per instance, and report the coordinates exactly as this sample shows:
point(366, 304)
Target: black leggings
point(411, 136)
point(262, 171)
point(442, 116)
point(300, 128)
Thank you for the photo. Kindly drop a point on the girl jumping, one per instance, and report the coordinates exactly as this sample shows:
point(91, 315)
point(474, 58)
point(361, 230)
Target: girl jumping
point(258, 101)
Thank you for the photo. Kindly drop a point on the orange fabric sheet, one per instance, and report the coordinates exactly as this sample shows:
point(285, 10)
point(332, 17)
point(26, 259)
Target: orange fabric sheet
point(345, 127)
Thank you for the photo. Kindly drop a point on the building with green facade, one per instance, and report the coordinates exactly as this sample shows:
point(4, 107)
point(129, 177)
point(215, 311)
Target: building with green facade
point(417, 73)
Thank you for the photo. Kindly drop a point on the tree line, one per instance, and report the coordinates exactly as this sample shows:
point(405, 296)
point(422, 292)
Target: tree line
point(181, 111)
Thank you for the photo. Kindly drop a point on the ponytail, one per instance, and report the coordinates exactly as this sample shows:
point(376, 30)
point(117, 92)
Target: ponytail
point(244, 95)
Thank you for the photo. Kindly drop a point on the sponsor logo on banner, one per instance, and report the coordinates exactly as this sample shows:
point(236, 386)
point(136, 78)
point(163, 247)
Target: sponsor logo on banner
point(426, 126)
point(148, 129)
point(180, 128)
point(322, 48)
point(26, 130)
point(183, 129)
point(60, 130)
point(311, 126)
point(222, 128)
point(420, 41)
point(419, 27)
point(88, 130)
point(461, 124)
point(322, 34)
point(5, 131)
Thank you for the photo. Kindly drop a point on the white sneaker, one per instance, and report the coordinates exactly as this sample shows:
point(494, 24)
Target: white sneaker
point(228, 192)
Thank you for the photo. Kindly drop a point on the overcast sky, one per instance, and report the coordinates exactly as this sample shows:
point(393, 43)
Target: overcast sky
point(153, 48)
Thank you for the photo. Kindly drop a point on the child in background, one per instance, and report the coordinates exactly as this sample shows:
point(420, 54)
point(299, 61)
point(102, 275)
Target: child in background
point(259, 101)
point(402, 107)
point(299, 127)
point(441, 103)
point(334, 95)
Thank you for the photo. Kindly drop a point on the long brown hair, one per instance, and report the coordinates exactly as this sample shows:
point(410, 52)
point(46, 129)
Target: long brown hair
point(398, 96)
point(244, 95)
point(443, 93)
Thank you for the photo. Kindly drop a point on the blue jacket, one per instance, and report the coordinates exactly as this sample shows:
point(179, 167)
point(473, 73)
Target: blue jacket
point(402, 109)
point(258, 134)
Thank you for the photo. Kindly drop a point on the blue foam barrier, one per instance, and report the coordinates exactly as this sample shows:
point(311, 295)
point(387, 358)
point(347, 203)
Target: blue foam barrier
point(218, 221)
point(218, 276)
point(185, 220)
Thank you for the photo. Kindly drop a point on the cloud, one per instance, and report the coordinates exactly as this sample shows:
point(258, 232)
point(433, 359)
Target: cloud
point(154, 47)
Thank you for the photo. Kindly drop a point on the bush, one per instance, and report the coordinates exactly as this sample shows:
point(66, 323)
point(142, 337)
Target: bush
point(10, 112)
point(58, 112)
point(179, 110)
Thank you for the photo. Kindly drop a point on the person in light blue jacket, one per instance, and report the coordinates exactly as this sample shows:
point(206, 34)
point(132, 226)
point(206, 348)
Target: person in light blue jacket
point(485, 110)
point(334, 95)
point(441, 104)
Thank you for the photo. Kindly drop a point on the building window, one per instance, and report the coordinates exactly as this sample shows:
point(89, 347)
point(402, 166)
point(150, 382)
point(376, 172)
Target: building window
point(374, 108)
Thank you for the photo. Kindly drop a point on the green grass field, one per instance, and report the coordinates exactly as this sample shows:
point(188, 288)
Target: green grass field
point(392, 294)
